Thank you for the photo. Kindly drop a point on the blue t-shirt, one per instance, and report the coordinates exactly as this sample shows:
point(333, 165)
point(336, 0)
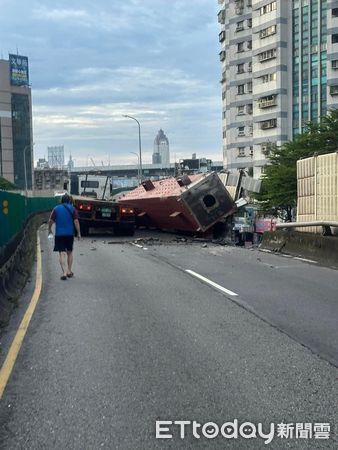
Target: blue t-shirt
point(64, 220)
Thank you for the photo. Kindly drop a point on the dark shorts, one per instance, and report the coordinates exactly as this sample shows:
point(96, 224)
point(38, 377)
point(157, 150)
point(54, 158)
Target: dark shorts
point(63, 243)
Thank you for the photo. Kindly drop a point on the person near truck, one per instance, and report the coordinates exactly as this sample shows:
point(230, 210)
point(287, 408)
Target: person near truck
point(66, 221)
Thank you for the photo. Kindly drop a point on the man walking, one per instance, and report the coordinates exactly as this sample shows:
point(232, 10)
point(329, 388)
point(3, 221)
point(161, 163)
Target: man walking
point(65, 218)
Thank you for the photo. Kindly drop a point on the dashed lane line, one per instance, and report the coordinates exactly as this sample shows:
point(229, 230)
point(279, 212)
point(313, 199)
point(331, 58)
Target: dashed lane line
point(211, 283)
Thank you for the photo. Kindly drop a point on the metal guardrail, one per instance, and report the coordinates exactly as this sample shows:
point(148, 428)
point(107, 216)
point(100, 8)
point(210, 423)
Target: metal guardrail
point(326, 225)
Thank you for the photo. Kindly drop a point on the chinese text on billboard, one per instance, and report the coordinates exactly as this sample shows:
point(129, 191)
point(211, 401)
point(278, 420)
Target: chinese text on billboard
point(18, 70)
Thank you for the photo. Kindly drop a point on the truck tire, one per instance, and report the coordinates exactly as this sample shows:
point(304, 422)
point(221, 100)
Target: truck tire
point(84, 229)
point(129, 230)
point(116, 229)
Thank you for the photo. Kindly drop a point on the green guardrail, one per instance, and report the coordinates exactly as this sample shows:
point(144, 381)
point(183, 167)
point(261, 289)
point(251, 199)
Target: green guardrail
point(16, 208)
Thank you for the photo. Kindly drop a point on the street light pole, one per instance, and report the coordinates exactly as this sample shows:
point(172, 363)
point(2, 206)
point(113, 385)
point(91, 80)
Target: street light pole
point(138, 166)
point(139, 142)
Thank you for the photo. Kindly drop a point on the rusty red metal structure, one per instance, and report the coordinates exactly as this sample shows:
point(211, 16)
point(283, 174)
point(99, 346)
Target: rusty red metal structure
point(189, 203)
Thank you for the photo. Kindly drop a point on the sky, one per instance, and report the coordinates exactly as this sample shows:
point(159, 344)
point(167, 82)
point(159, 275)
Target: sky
point(92, 61)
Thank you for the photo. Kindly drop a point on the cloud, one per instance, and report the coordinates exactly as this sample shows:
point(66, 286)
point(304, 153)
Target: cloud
point(92, 62)
point(59, 14)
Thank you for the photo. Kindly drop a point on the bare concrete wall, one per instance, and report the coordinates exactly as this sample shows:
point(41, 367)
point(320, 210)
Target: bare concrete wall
point(320, 248)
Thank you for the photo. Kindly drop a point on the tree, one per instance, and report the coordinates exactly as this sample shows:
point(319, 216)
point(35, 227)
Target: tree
point(279, 182)
point(7, 185)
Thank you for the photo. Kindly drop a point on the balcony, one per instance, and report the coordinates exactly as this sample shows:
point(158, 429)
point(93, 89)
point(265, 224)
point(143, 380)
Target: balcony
point(221, 17)
point(221, 36)
point(267, 102)
point(267, 124)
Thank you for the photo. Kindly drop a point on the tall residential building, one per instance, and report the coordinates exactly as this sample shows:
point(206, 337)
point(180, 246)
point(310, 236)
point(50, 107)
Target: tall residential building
point(16, 135)
point(161, 150)
point(275, 76)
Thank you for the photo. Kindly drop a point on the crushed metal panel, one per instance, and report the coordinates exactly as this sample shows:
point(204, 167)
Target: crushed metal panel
point(232, 179)
point(251, 184)
point(208, 201)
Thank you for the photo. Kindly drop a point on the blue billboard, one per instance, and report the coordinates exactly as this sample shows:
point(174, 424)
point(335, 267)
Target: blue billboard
point(18, 68)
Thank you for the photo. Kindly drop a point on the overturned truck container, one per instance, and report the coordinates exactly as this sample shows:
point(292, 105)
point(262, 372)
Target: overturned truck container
point(191, 203)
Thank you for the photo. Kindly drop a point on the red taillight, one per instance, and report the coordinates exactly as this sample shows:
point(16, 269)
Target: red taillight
point(127, 211)
point(85, 207)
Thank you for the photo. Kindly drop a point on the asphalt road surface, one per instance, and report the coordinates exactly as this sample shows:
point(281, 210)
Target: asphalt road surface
point(133, 339)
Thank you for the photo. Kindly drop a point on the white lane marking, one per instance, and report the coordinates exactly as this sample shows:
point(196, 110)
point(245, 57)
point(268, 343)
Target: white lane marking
point(211, 283)
point(305, 260)
point(265, 250)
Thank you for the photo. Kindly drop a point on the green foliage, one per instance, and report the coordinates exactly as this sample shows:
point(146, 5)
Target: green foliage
point(7, 185)
point(279, 182)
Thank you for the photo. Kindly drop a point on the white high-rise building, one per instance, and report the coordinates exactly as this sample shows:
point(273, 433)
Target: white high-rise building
point(161, 153)
point(275, 75)
point(56, 156)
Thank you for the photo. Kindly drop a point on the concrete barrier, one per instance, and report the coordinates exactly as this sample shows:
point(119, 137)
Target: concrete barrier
point(16, 260)
point(323, 249)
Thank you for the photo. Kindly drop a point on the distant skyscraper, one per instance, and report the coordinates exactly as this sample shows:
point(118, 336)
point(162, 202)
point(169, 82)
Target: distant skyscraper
point(71, 164)
point(161, 149)
point(56, 157)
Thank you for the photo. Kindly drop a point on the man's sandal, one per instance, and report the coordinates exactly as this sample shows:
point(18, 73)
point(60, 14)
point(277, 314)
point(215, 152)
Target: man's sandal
point(70, 275)
point(63, 277)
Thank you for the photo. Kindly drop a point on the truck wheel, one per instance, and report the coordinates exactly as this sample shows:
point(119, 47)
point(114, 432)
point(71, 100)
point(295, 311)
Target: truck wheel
point(84, 229)
point(128, 230)
point(116, 229)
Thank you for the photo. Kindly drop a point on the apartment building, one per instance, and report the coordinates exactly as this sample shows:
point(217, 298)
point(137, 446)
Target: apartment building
point(275, 75)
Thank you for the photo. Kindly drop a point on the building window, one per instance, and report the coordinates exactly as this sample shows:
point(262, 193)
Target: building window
point(268, 101)
point(249, 86)
point(249, 108)
point(251, 150)
point(249, 45)
point(240, 68)
point(273, 76)
point(240, 26)
point(334, 38)
point(266, 124)
point(241, 151)
point(334, 90)
point(240, 89)
point(221, 16)
point(240, 47)
point(268, 31)
point(269, 54)
point(334, 64)
point(249, 22)
point(250, 66)
point(221, 36)
point(240, 110)
point(268, 8)
point(222, 55)
point(241, 131)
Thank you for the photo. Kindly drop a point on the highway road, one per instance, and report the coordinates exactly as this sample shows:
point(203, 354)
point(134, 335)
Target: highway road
point(137, 338)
